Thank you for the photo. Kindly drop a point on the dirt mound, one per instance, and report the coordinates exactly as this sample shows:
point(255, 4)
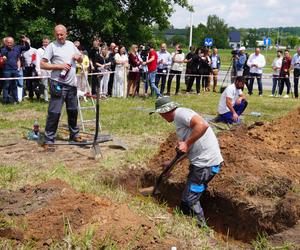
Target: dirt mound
point(258, 189)
point(51, 212)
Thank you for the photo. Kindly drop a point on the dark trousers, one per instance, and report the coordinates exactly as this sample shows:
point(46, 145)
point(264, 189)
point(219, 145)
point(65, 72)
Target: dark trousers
point(259, 83)
point(239, 109)
point(161, 74)
point(205, 81)
point(32, 85)
point(110, 83)
point(171, 76)
point(68, 94)
point(192, 78)
point(197, 181)
point(276, 81)
point(188, 72)
point(10, 86)
point(94, 82)
point(285, 80)
point(296, 81)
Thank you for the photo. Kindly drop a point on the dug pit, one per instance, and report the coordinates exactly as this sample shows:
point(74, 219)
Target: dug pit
point(258, 189)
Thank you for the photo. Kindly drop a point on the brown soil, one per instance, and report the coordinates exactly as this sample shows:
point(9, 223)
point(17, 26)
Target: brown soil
point(47, 212)
point(258, 189)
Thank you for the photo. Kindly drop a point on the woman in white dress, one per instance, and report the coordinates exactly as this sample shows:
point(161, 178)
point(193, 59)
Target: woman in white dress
point(119, 86)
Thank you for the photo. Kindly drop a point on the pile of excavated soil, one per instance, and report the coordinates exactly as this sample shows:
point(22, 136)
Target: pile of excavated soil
point(47, 213)
point(258, 189)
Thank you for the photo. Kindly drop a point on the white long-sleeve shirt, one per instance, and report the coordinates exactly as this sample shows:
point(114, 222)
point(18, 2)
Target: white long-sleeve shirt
point(259, 60)
point(277, 63)
point(296, 61)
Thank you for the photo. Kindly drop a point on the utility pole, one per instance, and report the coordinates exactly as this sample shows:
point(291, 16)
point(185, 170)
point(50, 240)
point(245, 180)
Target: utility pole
point(191, 26)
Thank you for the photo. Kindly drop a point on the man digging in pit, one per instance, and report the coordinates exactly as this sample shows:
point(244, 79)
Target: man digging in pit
point(198, 141)
point(232, 102)
point(61, 56)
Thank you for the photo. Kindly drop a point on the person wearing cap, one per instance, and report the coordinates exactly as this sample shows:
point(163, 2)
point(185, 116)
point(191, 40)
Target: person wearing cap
point(232, 102)
point(198, 141)
point(241, 61)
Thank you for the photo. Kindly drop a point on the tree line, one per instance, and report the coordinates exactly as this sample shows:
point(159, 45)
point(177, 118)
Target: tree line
point(217, 29)
point(121, 21)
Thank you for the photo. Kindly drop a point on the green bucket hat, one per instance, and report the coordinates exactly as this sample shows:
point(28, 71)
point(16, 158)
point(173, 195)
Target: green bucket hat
point(164, 104)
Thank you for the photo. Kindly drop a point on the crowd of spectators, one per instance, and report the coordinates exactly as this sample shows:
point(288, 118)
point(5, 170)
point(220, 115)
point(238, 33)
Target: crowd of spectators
point(139, 70)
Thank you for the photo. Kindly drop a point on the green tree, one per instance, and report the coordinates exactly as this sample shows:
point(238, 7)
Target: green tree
point(252, 37)
point(292, 41)
point(123, 21)
point(218, 30)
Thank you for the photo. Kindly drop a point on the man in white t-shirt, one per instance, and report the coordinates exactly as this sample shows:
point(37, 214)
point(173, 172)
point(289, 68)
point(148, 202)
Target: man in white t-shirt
point(198, 141)
point(256, 62)
point(61, 56)
point(232, 102)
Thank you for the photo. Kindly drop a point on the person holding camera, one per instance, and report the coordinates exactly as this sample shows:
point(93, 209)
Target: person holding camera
point(176, 69)
point(296, 66)
point(11, 54)
point(256, 62)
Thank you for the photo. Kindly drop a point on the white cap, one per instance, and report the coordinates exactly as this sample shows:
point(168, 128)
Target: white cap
point(242, 48)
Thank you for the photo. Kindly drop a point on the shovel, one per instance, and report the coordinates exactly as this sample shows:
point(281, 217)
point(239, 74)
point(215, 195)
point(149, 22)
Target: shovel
point(154, 189)
point(96, 153)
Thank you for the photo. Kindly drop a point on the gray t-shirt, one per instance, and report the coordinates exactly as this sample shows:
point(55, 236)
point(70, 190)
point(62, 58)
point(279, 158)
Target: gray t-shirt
point(57, 53)
point(205, 152)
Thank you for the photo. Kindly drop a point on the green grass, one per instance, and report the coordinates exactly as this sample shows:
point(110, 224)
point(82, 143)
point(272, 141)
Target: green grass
point(123, 118)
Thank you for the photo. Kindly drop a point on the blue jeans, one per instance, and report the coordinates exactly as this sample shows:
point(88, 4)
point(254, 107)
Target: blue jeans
point(10, 85)
point(259, 83)
point(275, 83)
point(152, 76)
point(239, 109)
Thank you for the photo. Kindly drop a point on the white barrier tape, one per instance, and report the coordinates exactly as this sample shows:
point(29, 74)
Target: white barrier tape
point(221, 73)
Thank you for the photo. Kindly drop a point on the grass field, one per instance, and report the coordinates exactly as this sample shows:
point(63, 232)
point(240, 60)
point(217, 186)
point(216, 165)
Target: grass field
point(129, 120)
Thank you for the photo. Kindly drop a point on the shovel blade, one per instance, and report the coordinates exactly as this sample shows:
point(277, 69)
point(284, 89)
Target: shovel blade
point(96, 153)
point(149, 191)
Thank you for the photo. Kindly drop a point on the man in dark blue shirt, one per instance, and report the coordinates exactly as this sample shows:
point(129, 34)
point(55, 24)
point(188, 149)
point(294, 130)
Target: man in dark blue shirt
point(11, 54)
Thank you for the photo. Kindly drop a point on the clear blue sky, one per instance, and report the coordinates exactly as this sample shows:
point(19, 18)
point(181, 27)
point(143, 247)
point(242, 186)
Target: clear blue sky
point(247, 13)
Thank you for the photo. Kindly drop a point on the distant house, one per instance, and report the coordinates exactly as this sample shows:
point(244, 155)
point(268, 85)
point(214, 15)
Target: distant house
point(235, 39)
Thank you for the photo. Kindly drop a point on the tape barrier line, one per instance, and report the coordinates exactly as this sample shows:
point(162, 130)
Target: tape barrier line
point(182, 74)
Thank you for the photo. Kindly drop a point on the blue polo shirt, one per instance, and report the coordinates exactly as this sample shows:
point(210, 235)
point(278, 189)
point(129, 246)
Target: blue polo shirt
point(13, 55)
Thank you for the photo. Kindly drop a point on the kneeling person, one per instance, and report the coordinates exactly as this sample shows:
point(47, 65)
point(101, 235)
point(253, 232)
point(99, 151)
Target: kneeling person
point(232, 102)
point(199, 142)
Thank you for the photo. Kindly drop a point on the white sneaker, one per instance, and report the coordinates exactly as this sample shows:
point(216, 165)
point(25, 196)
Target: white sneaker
point(271, 95)
point(286, 96)
point(260, 95)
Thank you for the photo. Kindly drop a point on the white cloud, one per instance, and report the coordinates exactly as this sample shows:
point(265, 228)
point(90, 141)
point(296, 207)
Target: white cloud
point(238, 13)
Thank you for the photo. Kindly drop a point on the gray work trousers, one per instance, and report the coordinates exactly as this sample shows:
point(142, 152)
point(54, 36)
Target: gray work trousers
point(196, 185)
point(61, 93)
